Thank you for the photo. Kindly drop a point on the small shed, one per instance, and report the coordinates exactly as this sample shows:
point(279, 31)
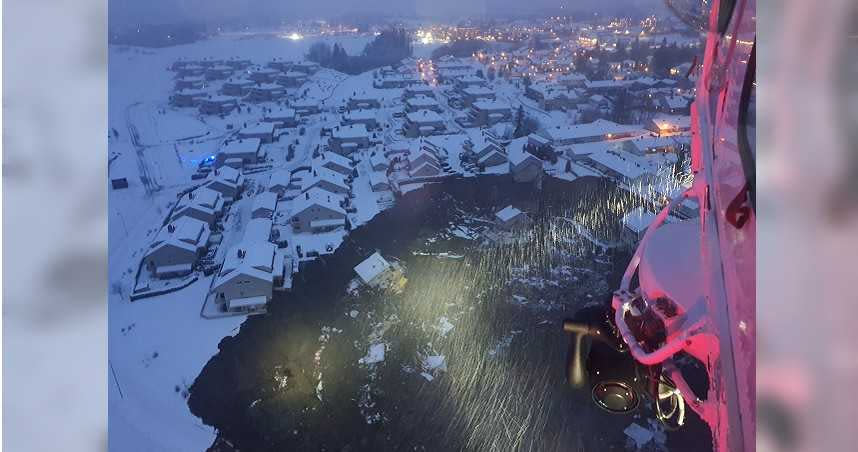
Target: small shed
point(509, 218)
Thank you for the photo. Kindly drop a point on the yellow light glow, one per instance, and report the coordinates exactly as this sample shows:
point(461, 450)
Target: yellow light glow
point(295, 37)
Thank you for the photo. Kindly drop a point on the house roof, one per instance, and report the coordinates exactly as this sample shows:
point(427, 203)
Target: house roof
point(185, 232)
point(335, 158)
point(280, 178)
point(371, 267)
point(638, 219)
point(490, 105)
point(241, 146)
point(376, 178)
point(599, 127)
point(254, 258)
point(265, 200)
point(320, 173)
point(202, 197)
point(423, 116)
point(317, 197)
point(507, 213)
point(350, 132)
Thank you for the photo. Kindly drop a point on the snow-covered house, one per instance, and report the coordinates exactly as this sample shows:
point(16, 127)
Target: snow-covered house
point(189, 83)
point(375, 271)
point(281, 117)
point(265, 92)
point(305, 107)
point(263, 75)
point(347, 139)
point(238, 153)
point(279, 182)
point(378, 181)
point(237, 87)
point(524, 166)
point(264, 131)
point(635, 224)
point(264, 205)
point(217, 105)
point(422, 123)
point(477, 93)
point(316, 210)
point(418, 90)
point(227, 181)
point(307, 67)
point(378, 161)
point(488, 113)
point(202, 204)
point(424, 169)
point(597, 130)
point(369, 118)
point(417, 103)
point(218, 72)
point(335, 162)
point(509, 218)
point(621, 166)
point(187, 97)
point(238, 63)
point(662, 124)
point(325, 179)
point(491, 157)
point(363, 101)
point(246, 280)
point(469, 81)
point(292, 79)
point(176, 247)
point(419, 156)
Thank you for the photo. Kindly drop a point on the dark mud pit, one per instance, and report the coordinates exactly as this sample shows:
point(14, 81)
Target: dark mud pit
point(473, 350)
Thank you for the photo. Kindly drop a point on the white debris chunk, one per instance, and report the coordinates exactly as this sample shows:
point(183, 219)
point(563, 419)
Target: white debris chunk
point(444, 326)
point(435, 362)
point(353, 314)
point(640, 435)
point(375, 354)
point(427, 376)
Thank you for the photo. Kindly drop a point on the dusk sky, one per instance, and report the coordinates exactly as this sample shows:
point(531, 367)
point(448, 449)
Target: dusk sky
point(171, 11)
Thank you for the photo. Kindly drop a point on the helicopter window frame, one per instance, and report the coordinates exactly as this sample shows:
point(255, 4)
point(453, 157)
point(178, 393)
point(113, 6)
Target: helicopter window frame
point(747, 149)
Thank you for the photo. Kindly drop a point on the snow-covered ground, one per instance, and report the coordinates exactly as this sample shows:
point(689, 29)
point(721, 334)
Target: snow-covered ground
point(159, 345)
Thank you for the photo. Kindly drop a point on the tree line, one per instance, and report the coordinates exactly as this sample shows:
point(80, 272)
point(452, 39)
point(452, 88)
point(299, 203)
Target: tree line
point(388, 48)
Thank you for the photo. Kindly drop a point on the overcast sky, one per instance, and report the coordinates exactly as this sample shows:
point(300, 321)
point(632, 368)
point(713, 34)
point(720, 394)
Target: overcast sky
point(172, 11)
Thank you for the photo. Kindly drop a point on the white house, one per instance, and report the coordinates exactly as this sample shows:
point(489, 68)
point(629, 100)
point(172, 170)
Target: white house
point(363, 101)
point(246, 280)
point(317, 210)
point(524, 166)
point(217, 105)
point(335, 162)
point(202, 204)
point(265, 92)
point(378, 161)
point(264, 205)
point(418, 90)
point(238, 153)
point(492, 157)
point(378, 181)
point(176, 247)
point(509, 218)
point(488, 113)
point(264, 131)
point(422, 123)
point(347, 139)
point(597, 130)
point(188, 97)
point(369, 118)
point(227, 181)
point(635, 224)
point(375, 271)
point(237, 87)
point(421, 103)
point(477, 93)
point(282, 118)
point(325, 179)
point(279, 182)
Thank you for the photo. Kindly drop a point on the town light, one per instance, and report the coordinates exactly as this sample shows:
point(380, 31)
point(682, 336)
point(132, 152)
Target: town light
point(295, 36)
